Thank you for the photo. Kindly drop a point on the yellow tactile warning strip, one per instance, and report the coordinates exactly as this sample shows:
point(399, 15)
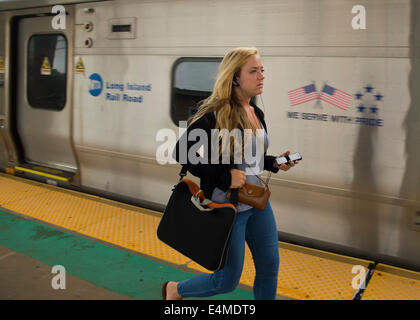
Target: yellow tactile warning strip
point(307, 274)
point(391, 283)
point(304, 273)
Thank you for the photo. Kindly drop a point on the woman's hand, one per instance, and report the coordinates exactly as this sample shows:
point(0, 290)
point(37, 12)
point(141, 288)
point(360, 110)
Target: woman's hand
point(238, 178)
point(284, 166)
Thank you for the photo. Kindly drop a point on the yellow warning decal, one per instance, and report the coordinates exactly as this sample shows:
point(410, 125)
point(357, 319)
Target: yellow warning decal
point(1, 65)
point(80, 67)
point(46, 67)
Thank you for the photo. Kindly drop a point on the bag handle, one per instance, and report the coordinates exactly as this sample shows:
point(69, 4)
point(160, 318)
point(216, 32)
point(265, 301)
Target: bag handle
point(234, 192)
point(199, 204)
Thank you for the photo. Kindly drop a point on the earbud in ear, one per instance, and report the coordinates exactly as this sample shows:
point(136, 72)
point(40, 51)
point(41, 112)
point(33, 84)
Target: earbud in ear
point(234, 82)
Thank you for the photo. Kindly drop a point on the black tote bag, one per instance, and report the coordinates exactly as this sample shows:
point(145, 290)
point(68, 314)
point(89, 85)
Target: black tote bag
point(196, 227)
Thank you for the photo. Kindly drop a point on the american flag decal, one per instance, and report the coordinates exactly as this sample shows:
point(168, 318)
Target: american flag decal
point(337, 98)
point(302, 95)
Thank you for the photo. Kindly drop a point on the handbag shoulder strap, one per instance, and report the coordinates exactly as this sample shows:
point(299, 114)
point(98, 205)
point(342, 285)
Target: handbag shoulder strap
point(268, 179)
point(234, 192)
point(182, 173)
point(264, 182)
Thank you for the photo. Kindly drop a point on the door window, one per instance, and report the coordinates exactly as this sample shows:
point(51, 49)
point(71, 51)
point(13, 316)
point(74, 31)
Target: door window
point(47, 71)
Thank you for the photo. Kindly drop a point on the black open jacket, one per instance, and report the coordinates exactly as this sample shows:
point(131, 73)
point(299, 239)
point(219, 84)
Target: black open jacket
point(215, 175)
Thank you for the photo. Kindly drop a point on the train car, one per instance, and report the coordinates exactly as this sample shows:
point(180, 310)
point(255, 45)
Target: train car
point(92, 92)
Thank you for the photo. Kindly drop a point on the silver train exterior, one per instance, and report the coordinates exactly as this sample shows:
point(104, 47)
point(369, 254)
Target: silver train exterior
point(123, 73)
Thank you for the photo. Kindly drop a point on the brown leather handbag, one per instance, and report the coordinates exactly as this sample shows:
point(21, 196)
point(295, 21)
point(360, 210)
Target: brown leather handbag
point(253, 195)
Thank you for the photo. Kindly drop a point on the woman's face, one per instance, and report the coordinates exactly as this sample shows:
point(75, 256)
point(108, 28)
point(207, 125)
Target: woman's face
point(251, 77)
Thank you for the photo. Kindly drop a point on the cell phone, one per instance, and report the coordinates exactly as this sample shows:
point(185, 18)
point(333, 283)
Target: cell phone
point(290, 157)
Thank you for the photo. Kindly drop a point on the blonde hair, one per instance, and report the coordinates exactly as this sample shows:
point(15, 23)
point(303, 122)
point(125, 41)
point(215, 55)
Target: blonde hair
point(223, 102)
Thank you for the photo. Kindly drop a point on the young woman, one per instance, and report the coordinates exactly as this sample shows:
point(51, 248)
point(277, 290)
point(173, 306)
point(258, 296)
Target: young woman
point(240, 78)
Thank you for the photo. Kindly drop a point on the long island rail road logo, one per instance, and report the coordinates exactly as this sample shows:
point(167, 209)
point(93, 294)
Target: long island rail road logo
point(96, 84)
point(361, 108)
point(118, 91)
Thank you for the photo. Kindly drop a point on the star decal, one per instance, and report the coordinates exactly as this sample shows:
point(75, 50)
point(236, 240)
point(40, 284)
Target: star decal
point(361, 108)
point(378, 97)
point(359, 96)
point(369, 88)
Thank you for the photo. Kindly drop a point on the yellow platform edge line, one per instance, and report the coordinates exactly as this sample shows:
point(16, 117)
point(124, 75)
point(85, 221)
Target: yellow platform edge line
point(398, 271)
point(325, 254)
point(42, 174)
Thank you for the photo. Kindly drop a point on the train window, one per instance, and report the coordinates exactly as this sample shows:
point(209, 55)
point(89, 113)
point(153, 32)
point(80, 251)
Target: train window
point(192, 81)
point(47, 71)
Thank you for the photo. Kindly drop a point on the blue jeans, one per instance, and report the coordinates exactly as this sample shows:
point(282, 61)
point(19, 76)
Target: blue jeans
point(258, 228)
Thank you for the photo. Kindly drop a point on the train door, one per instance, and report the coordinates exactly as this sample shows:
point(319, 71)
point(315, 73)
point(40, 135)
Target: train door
point(43, 98)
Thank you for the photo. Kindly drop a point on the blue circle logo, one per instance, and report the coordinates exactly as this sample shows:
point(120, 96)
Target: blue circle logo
point(96, 84)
